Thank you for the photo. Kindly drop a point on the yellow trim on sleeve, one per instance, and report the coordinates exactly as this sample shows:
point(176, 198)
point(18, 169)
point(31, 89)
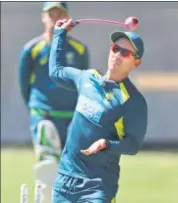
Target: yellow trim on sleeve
point(124, 92)
point(37, 48)
point(77, 46)
point(95, 72)
point(32, 78)
point(119, 125)
point(44, 60)
point(109, 95)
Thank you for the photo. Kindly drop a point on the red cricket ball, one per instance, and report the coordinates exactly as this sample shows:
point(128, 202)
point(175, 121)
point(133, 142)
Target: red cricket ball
point(132, 23)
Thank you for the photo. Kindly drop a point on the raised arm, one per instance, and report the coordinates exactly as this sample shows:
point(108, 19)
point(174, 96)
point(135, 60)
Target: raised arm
point(66, 76)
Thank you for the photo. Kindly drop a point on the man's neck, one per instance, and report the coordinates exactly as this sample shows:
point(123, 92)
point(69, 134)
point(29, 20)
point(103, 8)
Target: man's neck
point(48, 37)
point(115, 77)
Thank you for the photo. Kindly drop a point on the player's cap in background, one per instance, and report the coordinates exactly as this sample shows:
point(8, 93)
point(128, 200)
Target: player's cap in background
point(134, 38)
point(55, 4)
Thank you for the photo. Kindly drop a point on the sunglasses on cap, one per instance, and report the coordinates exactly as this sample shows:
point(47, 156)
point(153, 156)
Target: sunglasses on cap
point(123, 52)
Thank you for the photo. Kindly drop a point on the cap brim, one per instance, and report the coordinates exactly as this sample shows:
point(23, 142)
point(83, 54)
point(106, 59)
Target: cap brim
point(47, 8)
point(117, 35)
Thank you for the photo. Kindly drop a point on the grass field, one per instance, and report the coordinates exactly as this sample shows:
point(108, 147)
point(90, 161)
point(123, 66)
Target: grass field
point(149, 177)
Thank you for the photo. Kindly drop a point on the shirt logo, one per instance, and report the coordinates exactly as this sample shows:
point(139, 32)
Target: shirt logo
point(90, 109)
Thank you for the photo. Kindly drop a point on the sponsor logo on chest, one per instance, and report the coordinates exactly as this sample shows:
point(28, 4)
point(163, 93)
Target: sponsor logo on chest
point(89, 108)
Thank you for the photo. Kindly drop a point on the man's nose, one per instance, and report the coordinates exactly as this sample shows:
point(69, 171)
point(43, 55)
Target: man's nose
point(118, 54)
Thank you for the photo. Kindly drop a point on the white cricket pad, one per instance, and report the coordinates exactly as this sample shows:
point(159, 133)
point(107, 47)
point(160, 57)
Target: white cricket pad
point(45, 172)
point(51, 133)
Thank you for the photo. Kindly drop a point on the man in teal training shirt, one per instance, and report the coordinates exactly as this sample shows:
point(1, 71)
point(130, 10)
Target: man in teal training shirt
point(110, 119)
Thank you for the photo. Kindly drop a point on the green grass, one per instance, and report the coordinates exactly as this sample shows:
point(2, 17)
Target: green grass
point(149, 177)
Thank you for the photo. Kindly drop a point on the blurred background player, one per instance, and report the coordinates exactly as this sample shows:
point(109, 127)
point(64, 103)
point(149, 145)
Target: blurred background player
point(50, 106)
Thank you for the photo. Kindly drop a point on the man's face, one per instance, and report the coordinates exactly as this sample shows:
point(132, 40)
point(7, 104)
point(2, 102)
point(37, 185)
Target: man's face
point(49, 18)
point(121, 59)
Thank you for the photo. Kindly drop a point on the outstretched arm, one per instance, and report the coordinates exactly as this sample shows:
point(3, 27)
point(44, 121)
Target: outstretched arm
point(66, 76)
point(135, 125)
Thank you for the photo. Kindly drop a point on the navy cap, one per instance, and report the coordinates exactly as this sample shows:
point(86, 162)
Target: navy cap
point(55, 4)
point(134, 38)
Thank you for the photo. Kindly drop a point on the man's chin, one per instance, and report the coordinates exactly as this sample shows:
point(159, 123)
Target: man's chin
point(114, 67)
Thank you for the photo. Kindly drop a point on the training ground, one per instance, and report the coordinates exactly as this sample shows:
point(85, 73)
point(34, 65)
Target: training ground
point(148, 177)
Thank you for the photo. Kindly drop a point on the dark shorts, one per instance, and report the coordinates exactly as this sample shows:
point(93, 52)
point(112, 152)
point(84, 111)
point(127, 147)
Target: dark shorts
point(67, 189)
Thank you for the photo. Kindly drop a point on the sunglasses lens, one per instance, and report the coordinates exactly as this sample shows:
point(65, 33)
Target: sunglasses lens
point(115, 48)
point(125, 53)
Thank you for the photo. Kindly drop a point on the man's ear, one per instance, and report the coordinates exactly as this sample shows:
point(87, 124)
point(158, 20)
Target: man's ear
point(138, 62)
